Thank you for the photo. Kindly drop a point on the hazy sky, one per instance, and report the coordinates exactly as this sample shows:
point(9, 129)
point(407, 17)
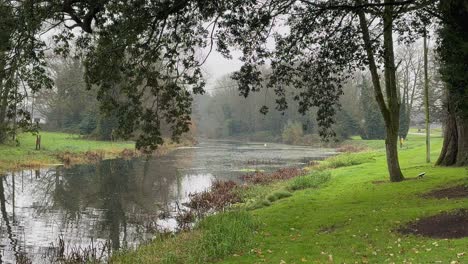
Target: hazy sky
point(216, 66)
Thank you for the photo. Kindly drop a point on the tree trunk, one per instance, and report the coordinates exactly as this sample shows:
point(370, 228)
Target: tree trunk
point(391, 109)
point(462, 148)
point(454, 55)
point(3, 111)
point(448, 155)
point(455, 147)
point(426, 101)
point(4, 92)
point(391, 147)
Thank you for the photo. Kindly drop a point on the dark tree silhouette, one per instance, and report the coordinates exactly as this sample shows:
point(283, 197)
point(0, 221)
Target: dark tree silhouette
point(454, 67)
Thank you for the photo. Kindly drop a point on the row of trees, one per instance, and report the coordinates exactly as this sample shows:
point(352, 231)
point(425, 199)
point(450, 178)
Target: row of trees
point(69, 106)
point(223, 113)
point(142, 57)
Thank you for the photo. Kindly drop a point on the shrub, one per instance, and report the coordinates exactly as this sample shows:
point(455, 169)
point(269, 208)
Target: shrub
point(313, 180)
point(292, 133)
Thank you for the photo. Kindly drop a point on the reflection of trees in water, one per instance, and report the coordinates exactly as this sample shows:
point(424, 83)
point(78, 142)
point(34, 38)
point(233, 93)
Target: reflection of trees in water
point(114, 200)
point(127, 192)
point(6, 219)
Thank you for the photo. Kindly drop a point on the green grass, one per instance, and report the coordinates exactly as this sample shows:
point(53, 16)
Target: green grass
point(312, 180)
point(213, 238)
point(349, 219)
point(25, 155)
point(277, 195)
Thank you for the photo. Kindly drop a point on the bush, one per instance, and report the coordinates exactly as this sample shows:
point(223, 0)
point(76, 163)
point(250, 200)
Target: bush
point(292, 133)
point(313, 180)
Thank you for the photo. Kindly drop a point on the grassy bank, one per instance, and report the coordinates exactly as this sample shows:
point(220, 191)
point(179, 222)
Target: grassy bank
point(344, 211)
point(55, 146)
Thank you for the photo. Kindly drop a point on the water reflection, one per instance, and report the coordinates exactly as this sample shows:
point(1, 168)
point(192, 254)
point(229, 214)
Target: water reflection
point(119, 201)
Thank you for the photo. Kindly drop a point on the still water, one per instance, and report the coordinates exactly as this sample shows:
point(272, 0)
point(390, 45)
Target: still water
point(119, 202)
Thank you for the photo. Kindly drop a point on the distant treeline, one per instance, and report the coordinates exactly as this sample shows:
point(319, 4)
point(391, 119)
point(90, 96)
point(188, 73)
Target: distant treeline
point(71, 107)
point(225, 114)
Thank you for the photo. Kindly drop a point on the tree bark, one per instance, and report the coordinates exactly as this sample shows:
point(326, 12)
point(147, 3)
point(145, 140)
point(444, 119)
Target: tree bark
point(455, 148)
point(448, 154)
point(3, 110)
point(391, 109)
point(454, 55)
point(426, 101)
point(391, 147)
point(462, 148)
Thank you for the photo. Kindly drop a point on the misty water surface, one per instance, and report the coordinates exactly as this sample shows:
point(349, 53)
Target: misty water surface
point(121, 202)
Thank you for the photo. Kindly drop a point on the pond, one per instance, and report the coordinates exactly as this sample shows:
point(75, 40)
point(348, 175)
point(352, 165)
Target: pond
point(122, 203)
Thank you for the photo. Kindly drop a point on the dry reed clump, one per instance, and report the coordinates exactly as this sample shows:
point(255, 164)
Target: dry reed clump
point(70, 158)
point(67, 254)
point(94, 156)
point(221, 195)
point(264, 178)
point(128, 154)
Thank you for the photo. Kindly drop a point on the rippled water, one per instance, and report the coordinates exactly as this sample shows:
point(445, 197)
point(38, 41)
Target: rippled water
point(120, 202)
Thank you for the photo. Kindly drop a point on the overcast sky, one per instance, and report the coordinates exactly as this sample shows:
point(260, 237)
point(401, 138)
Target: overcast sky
point(216, 66)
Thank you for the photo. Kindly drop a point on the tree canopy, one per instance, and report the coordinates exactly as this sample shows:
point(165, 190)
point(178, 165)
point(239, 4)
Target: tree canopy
point(143, 56)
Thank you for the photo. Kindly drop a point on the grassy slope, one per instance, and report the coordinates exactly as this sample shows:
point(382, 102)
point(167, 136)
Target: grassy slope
point(351, 219)
point(348, 220)
point(12, 157)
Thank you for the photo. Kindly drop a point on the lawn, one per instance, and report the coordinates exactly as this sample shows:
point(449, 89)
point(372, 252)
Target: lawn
point(25, 155)
point(352, 218)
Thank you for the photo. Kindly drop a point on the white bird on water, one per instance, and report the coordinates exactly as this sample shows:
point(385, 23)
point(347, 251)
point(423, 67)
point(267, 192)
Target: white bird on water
point(264, 145)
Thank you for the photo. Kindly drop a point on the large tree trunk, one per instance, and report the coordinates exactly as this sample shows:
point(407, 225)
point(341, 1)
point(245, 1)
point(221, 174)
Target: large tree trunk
point(391, 109)
point(455, 147)
point(393, 122)
point(448, 155)
point(454, 55)
point(462, 150)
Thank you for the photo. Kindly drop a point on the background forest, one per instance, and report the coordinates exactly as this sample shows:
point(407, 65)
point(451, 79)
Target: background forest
point(223, 113)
